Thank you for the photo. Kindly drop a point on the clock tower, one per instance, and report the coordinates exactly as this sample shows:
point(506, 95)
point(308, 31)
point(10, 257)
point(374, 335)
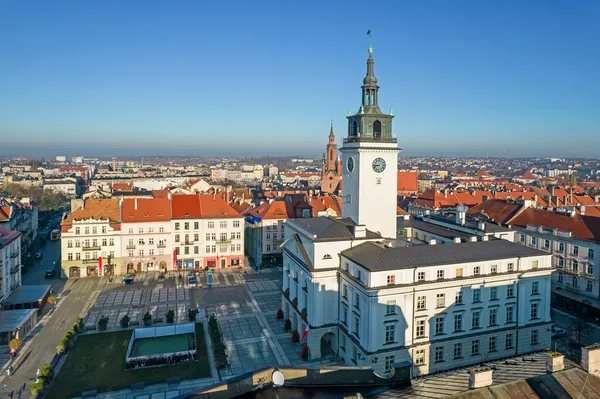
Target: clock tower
point(370, 162)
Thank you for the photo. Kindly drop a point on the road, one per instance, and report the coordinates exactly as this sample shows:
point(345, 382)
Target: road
point(590, 334)
point(41, 347)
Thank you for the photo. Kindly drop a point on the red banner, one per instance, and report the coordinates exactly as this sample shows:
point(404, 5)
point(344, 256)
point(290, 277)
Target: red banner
point(100, 266)
point(174, 259)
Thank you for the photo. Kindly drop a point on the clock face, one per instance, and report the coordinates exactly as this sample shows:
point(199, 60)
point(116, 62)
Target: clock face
point(350, 164)
point(378, 165)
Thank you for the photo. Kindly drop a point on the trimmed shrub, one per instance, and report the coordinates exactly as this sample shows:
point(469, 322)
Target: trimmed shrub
point(63, 345)
point(14, 344)
point(219, 348)
point(103, 323)
point(192, 314)
point(36, 388)
point(70, 333)
point(170, 316)
point(125, 321)
point(79, 323)
point(287, 325)
point(147, 319)
point(295, 336)
point(280, 314)
point(304, 353)
point(46, 373)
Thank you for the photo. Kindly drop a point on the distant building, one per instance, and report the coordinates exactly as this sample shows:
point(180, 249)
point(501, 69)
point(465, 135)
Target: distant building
point(61, 158)
point(77, 159)
point(331, 168)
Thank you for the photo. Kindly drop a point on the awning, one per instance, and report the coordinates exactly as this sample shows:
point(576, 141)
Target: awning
point(595, 302)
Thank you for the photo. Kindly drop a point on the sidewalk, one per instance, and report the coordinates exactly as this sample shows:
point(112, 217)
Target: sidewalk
point(159, 391)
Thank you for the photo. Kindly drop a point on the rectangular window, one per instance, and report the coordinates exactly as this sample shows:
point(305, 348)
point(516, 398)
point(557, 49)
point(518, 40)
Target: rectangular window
point(510, 291)
point(141, 230)
point(560, 278)
point(510, 312)
point(390, 333)
point(268, 236)
point(534, 337)
point(344, 314)
point(207, 249)
point(457, 351)
point(389, 361)
point(77, 230)
point(151, 251)
point(588, 286)
point(207, 236)
point(236, 223)
point(492, 345)
point(534, 264)
point(459, 272)
point(575, 250)
point(441, 300)
point(510, 267)
point(78, 256)
point(590, 269)
point(421, 302)
point(439, 353)
point(111, 242)
point(420, 329)
point(390, 307)
point(186, 226)
point(533, 241)
point(151, 241)
point(130, 231)
point(211, 225)
point(494, 269)
point(458, 319)
point(196, 250)
point(574, 282)
point(476, 295)
point(356, 325)
point(561, 247)
point(345, 291)
point(475, 321)
point(131, 252)
point(421, 276)
point(546, 244)
point(534, 310)
point(522, 238)
point(493, 293)
point(176, 237)
point(69, 256)
point(391, 279)
point(493, 317)
point(104, 229)
point(357, 301)
point(475, 348)
point(419, 357)
point(161, 229)
point(177, 226)
point(213, 249)
point(535, 287)
point(509, 341)
point(440, 274)
point(223, 224)
point(70, 244)
point(439, 325)
point(87, 230)
point(222, 248)
point(476, 270)
point(94, 230)
point(458, 300)
point(591, 253)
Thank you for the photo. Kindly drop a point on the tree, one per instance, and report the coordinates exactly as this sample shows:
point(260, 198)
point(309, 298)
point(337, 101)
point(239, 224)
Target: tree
point(46, 373)
point(170, 316)
point(192, 314)
point(14, 344)
point(36, 387)
point(578, 327)
point(103, 323)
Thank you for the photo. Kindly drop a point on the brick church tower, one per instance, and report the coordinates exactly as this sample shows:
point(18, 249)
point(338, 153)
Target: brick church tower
point(331, 169)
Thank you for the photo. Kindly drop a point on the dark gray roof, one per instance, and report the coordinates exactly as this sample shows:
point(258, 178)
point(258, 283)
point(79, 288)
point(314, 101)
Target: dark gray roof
point(440, 230)
point(376, 257)
point(326, 229)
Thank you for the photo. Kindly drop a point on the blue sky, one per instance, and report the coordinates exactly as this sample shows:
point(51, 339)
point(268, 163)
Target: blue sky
point(241, 77)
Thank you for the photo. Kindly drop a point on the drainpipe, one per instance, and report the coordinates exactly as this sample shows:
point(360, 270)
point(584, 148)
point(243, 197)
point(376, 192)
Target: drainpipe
point(517, 310)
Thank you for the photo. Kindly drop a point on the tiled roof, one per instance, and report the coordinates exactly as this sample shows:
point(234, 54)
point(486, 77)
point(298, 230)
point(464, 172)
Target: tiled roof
point(97, 209)
point(581, 227)
point(376, 257)
point(7, 236)
point(273, 210)
point(122, 186)
point(400, 211)
point(438, 199)
point(136, 210)
point(5, 212)
point(407, 181)
point(213, 206)
point(496, 210)
point(529, 176)
point(326, 229)
point(185, 207)
point(322, 203)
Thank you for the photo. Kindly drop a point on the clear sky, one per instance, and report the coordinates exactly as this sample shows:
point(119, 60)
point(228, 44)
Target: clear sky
point(265, 77)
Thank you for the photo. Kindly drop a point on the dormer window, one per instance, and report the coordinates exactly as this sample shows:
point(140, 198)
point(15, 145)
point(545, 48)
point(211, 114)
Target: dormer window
point(327, 256)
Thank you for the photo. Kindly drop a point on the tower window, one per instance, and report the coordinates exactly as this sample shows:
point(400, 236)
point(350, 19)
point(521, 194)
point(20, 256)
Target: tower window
point(377, 130)
point(354, 129)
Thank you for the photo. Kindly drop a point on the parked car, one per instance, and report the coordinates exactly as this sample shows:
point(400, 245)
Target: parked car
point(128, 280)
point(558, 332)
point(50, 273)
point(38, 255)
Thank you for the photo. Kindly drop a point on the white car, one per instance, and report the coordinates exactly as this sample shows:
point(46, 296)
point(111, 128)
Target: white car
point(558, 332)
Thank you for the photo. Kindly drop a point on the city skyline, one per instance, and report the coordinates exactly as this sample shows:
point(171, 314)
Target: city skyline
point(203, 79)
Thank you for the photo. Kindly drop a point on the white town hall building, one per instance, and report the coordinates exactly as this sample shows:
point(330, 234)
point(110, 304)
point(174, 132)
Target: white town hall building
point(373, 299)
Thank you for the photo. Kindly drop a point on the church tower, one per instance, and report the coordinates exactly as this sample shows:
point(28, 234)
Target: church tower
point(330, 170)
point(370, 162)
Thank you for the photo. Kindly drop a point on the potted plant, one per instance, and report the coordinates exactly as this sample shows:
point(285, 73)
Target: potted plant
point(280, 314)
point(295, 336)
point(287, 325)
point(125, 321)
point(170, 316)
point(147, 319)
point(103, 323)
point(295, 302)
point(192, 314)
point(286, 293)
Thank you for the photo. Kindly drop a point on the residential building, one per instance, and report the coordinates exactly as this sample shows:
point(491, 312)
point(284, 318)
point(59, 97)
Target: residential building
point(146, 235)
point(90, 242)
point(67, 186)
point(10, 262)
point(264, 232)
point(21, 216)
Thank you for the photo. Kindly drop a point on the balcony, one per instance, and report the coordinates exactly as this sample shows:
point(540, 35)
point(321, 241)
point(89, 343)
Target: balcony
point(14, 254)
point(161, 245)
point(369, 139)
point(224, 241)
point(578, 272)
point(89, 261)
point(91, 248)
point(130, 246)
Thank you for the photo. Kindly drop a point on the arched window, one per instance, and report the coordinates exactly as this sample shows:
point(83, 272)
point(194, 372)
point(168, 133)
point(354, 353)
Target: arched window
point(377, 130)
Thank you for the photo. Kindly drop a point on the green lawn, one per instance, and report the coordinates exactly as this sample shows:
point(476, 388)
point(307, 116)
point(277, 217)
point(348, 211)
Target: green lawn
point(97, 362)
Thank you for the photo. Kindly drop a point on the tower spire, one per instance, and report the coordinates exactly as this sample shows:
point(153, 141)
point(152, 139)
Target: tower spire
point(331, 128)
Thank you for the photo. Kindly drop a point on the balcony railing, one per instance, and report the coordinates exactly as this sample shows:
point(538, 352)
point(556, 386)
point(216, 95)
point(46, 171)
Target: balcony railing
point(370, 139)
point(578, 272)
point(131, 246)
point(224, 241)
point(161, 245)
point(91, 248)
point(89, 261)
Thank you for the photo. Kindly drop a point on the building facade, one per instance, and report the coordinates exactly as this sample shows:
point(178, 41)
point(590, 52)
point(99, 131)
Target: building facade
point(20, 216)
point(10, 262)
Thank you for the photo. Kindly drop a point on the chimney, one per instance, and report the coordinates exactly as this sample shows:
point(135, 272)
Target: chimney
point(406, 217)
point(135, 207)
point(481, 225)
point(480, 377)
point(485, 238)
point(360, 231)
point(555, 362)
point(590, 359)
point(472, 238)
point(457, 240)
point(461, 215)
point(582, 210)
point(432, 241)
point(76, 204)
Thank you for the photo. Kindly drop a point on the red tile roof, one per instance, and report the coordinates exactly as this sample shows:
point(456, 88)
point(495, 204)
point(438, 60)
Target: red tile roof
point(322, 203)
point(581, 227)
point(529, 176)
point(407, 181)
point(213, 206)
point(496, 210)
point(7, 236)
point(185, 206)
point(122, 186)
point(136, 210)
point(400, 211)
point(96, 209)
point(437, 199)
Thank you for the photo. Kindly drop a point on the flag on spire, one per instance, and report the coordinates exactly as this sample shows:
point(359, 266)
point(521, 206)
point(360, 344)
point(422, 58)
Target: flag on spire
point(369, 33)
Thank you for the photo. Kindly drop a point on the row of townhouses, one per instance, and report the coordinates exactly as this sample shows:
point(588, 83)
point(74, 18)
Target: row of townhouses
point(120, 236)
